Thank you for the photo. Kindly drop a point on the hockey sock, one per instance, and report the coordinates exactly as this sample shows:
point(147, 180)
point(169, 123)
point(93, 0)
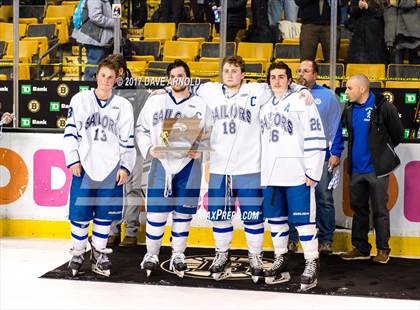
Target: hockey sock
point(222, 233)
point(180, 228)
point(254, 232)
point(79, 234)
point(100, 233)
point(279, 234)
point(308, 240)
point(155, 229)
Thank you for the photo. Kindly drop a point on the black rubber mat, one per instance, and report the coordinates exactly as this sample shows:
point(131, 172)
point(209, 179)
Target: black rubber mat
point(399, 278)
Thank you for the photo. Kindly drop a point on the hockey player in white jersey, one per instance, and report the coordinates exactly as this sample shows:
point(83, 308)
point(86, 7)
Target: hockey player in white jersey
point(99, 151)
point(293, 151)
point(174, 178)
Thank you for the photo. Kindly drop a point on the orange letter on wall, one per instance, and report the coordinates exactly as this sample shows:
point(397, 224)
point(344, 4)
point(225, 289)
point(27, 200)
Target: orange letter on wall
point(18, 176)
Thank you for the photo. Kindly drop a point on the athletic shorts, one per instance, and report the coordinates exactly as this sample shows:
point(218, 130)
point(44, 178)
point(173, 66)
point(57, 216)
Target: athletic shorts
point(295, 202)
point(95, 199)
point(245, 189)
point(185, 189)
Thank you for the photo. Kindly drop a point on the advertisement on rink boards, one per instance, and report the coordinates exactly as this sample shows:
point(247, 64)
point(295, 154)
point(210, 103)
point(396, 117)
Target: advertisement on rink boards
point(44, 104)
point(35, 184)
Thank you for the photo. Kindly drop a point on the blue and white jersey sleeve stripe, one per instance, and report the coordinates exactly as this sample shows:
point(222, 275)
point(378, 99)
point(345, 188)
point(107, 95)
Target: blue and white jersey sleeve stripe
point(71, 136)
point(314, 144)
point(126, 137)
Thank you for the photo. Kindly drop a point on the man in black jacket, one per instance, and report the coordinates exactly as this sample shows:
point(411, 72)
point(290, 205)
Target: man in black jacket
point(374, 130)
point(315, 16)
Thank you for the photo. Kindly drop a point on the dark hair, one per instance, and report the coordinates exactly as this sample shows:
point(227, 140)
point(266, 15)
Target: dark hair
point(178, 63)
point(110, 64)
point(314, 65)
point(279, 65)
point(234, 60)
point(119, 60)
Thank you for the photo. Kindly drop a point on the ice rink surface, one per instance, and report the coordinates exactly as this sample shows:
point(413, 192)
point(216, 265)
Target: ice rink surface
point(23, 261)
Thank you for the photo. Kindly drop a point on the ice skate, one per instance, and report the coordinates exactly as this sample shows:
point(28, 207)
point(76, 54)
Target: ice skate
point(309, 277)
point(256, 266)
point(100, 262)
point(150, 263)
point(76, 261)
point(177, 264)
point(220, 268)
point(277, 274)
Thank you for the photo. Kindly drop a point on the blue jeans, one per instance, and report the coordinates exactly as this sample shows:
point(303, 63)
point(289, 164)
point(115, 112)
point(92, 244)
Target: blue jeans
point(275, 8)
point(94, 55)
point(325, 212)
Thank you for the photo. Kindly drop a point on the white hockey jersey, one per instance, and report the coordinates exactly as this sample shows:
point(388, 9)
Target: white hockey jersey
point(99, 135)
point(150, 122)
point(235, 136)
point(293, 142)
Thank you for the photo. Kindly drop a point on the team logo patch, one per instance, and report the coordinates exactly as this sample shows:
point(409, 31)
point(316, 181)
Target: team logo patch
point(63, 90)
point(389, 96)
point(34, 106)
point(198, 267)
point(61, 122)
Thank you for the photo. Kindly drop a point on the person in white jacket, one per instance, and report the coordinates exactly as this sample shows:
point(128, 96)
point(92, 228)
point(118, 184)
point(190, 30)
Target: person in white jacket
point(292, 157)
point(100, 153)
point(175, 177)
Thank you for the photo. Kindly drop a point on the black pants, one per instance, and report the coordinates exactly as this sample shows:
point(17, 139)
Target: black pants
point(363, 187)
point(139, 13)
point(310, 36)
point(172, 11)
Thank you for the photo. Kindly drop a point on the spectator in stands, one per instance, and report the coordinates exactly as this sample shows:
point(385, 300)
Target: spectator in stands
point(275, 8)
point(402, 30)
point(329, 109)
point(367, 44)
point(374, 130)
point(236, 18)
point(202, 11)
point(172, 11)
point(132, 189)
point(6, 118)
point(139, 14)
point(315, 16)
point(96, 33)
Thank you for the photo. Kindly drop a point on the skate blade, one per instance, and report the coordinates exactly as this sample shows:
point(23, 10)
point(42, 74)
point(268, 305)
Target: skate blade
point(284, 277)
point(307, 287)
point(148, 272)
point(105, 273)
point(179, 273)
point(222, 275)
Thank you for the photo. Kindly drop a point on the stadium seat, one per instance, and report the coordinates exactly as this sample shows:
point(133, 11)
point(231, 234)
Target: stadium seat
point(291, 41)
point(186, 51)
point(62, 27)
point(6, 31)
point(145, 50)
point(30, 14)
point(203, 69)
point(3, 77)
point(372, 71)
point(3, 46)
point(293, 66)
point(45, 35)
point(254, 71)
point(73, 3)
point(27, 50)
point(402, 84)
point(196, 32)
point(255, 52)
point(6, 13)
point(159, 31)
point(210, 51)
point(137, 68)
point(326, 83)
point(157, 68)
point(324, 70)
point(403, 71)
point(57, 11)
point(286, 52)
point(372, 84)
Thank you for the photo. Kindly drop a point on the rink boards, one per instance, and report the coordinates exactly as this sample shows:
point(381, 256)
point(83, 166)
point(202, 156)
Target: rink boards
point(34, 190)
